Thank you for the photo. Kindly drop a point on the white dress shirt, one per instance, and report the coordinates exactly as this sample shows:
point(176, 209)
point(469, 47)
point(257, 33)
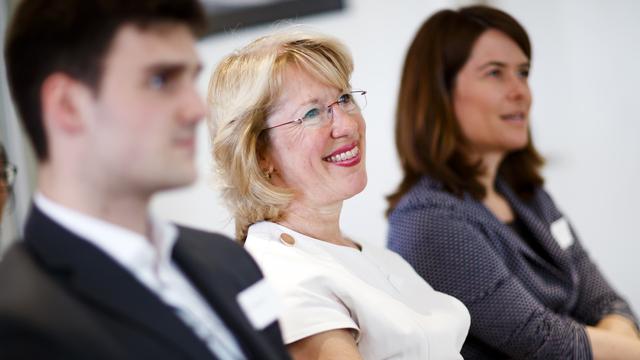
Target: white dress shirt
point(150, 262)
point(392, 312)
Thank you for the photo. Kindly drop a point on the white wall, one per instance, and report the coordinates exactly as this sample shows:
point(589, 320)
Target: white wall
point(585, 82)
point(584, 79)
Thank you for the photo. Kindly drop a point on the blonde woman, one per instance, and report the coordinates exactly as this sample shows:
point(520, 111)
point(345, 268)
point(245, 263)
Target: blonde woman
point(289, 143)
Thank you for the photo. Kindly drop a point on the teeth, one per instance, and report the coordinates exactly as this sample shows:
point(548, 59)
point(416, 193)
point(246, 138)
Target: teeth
point(343, 156)
point(518, 116)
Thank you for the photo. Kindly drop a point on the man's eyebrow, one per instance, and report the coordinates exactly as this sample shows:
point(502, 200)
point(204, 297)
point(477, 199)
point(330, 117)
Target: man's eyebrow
point(174, 68)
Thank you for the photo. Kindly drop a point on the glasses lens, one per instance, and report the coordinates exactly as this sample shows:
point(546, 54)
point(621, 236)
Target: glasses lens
point(360, 99)
point(319, 120)
point(9, 175)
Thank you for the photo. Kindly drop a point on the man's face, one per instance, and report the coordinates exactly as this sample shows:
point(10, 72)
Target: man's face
point(142, 120)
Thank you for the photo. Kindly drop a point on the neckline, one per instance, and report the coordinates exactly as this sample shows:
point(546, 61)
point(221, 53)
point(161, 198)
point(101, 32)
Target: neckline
point(360, 248)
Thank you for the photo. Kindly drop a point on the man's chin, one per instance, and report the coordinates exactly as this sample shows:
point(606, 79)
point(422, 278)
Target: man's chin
point(175, 181)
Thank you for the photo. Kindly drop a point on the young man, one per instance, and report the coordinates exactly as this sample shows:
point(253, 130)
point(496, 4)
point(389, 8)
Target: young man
point(105, 90)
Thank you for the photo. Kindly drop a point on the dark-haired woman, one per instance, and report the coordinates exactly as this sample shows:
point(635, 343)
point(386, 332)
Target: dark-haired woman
point(471, 214)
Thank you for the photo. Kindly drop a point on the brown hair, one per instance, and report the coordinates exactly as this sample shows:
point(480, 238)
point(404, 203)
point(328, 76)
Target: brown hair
point(428, 137)
point(73, 37)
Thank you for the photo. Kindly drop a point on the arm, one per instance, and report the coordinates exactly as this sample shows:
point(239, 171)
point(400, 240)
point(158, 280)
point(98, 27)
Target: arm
point(598, 304)
point(334, 344)
point(619, 324)
point(608, 345)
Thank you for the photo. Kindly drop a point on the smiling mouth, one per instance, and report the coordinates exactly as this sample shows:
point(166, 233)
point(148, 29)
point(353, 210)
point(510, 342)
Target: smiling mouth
point(517, 116)
point(343, 156)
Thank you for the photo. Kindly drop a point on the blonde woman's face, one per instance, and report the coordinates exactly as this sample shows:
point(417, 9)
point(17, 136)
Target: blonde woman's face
point(324, 163)
point(492, 97)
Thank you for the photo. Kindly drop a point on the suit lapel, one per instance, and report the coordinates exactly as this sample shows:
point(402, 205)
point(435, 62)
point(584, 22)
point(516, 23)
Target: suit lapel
point(220, 287)
point(105, 284)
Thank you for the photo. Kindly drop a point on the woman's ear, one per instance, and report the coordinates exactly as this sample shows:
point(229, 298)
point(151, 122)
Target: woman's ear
point(264, 159)
point(266, 165)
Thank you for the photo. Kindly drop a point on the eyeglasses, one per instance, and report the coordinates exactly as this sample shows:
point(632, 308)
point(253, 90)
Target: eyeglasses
point(8, 175)
point(351, 103)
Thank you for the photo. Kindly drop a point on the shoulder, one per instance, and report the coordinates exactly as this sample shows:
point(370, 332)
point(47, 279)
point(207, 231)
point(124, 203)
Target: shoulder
point(276, 257)
point(304, 267)
point(210, 242)
point(429, 208)
point(428, 201)
point(28, 293)
point(202, 238)
point(426, 193)
point(213, 250)
point(439, 233)
point(21, 277)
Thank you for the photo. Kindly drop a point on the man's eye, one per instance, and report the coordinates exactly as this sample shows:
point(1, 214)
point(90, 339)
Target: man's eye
point(158, 81)
point(161, 80)
point(311, 114)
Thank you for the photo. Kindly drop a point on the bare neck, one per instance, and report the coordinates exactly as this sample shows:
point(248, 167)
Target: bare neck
point(319, 222)
point(491, 162)
point(493, 200)
point(96, 198)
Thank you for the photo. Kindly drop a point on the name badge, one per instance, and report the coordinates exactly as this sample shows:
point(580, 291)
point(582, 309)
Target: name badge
point(260, 303)
point(562, 233)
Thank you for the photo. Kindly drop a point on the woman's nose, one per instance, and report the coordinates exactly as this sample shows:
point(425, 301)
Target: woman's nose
point(343, 123)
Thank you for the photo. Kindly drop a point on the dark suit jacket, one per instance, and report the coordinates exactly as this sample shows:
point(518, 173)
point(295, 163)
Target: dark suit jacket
point(522, 306)
point(63, 298)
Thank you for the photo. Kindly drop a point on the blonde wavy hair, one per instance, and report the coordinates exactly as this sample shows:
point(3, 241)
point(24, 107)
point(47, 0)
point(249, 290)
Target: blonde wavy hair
point(242, 92)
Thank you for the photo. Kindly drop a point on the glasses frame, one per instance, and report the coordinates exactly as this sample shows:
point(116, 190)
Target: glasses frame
point(330, 106)
point(9, 173)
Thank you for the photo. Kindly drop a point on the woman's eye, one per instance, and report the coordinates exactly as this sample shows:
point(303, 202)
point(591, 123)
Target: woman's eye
point(311, 114)
point(345, 99)
point(524, 73)
point(494, 73)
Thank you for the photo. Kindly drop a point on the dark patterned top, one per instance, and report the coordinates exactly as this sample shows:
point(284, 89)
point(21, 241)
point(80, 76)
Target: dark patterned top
point(521, 305)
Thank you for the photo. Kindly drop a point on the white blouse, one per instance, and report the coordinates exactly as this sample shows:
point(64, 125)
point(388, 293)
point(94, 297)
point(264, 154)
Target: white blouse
point(392, 311)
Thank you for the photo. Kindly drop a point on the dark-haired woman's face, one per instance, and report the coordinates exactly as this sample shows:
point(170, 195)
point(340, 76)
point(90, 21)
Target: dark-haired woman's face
point(491, 95)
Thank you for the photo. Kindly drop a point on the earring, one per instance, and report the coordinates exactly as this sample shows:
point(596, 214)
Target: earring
point(268, 172)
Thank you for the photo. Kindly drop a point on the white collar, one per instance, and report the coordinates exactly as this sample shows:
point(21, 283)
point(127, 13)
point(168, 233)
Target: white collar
point(272, 231)
point(132, 250)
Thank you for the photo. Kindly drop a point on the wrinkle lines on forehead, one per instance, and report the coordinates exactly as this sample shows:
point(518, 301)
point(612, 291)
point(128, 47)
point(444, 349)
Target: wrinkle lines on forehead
point(302, 89)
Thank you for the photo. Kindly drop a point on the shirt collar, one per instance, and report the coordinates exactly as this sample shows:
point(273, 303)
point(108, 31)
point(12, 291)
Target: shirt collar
point(132, 250)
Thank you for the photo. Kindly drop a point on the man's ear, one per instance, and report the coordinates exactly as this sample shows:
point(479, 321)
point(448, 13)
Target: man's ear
point(64, 102)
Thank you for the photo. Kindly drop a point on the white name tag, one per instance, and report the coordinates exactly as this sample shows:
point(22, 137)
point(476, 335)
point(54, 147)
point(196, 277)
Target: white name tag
point(260, 303)
point(562, 233)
